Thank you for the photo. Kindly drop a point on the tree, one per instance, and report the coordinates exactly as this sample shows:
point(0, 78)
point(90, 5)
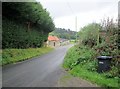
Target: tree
point(25, 24)
point(31, 13)
point(89, 34)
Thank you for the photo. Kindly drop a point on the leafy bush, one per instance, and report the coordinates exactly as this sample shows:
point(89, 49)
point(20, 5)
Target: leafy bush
point(106, 49)
point(91, 65)
point(97, 41)
point(81, 61)
point(78, 55)
point(113, 73)
point(89, 34)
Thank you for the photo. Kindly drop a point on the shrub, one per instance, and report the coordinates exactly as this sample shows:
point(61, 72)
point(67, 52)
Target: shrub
point(81, 61)
point(78, 55)
point(89, 34)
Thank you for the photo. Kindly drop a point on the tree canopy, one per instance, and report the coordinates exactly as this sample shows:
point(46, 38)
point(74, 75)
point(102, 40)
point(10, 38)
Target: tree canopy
point(89, 33)
point(28, 12)
point(25, 24)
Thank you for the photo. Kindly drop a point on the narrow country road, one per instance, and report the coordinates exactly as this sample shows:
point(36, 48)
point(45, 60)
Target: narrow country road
point(43, 71)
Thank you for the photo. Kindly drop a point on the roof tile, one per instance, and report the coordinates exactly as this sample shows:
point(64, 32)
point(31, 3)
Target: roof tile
point(53, 38)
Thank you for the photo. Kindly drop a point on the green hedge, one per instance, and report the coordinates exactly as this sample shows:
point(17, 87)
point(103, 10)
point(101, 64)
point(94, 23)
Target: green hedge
point(17, 36)
point(25, 24)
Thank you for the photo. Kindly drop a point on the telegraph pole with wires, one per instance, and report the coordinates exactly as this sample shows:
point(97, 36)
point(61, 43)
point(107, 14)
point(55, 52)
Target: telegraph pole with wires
point(76, 27)
point(69, 6)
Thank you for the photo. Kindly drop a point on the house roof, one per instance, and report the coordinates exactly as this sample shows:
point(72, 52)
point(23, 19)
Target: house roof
point(53, 38)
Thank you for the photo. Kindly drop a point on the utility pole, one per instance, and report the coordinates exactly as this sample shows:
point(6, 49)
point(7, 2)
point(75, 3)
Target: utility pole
point(76, 27)
point(98, 38)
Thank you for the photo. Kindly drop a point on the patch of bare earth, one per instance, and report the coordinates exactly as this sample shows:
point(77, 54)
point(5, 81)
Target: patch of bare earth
point(68, 80)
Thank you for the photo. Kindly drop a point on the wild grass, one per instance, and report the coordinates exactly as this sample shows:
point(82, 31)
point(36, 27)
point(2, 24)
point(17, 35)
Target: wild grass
point(94, 77)
point(81, 62)
point(14, 55)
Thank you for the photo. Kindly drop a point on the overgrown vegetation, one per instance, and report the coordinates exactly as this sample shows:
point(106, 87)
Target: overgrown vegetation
point(95, 40)
point(89, 34)
point(15, 55)
point(94, 77)
point(25, 24)
point(78, 55)
point(103, 38)
point(81, 62)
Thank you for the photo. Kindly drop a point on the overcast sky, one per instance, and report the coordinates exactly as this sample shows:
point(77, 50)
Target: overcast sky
point(64, 12)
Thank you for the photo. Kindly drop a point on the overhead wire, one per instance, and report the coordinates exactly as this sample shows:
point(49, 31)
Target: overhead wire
point(69, 6)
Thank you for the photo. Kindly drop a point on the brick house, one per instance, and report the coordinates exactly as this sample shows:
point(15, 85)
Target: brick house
point(53, 41)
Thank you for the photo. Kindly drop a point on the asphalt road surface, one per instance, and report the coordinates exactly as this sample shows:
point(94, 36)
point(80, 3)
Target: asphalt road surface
point(43, 71)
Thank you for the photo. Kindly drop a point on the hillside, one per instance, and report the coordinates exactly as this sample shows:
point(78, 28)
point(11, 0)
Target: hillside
point(64, 33)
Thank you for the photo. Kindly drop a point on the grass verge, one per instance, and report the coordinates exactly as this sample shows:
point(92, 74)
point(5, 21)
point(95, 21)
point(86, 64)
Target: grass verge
point(81, 62)
point(94, 77)
point(15, 55)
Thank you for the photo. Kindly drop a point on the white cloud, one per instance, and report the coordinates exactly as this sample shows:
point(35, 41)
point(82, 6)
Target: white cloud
point(87, 11)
